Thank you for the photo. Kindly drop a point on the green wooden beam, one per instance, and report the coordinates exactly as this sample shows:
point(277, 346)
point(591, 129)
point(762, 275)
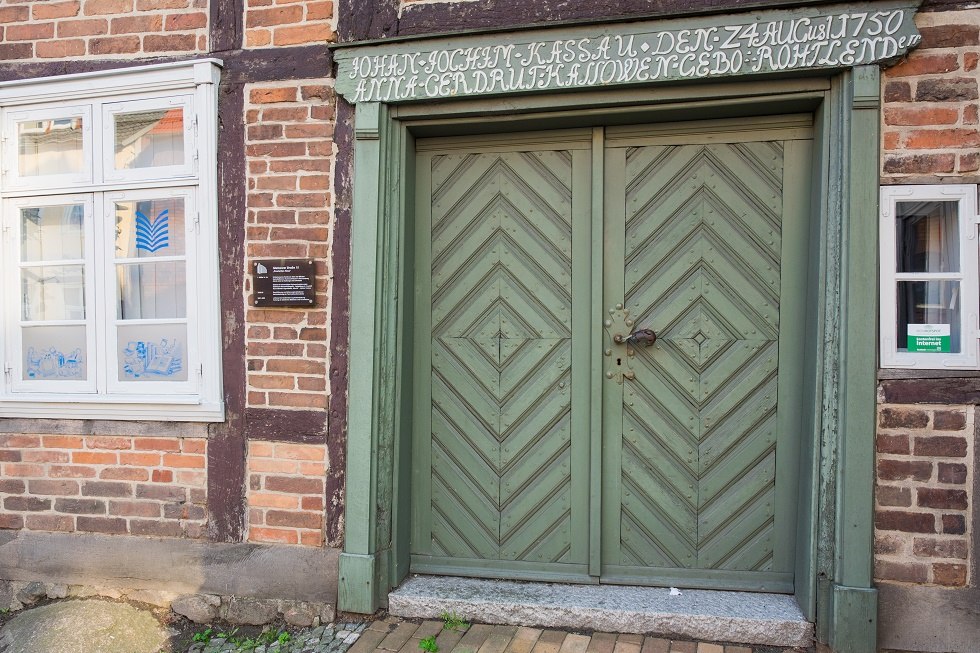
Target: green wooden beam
point(854, 600)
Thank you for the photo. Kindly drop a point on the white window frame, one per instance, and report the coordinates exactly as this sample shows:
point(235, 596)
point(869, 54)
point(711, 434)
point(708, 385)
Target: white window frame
point(965, 197)
point(98, 97)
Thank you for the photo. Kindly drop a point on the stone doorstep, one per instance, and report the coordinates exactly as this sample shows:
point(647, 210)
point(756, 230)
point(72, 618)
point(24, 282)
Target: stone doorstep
point(704, 615)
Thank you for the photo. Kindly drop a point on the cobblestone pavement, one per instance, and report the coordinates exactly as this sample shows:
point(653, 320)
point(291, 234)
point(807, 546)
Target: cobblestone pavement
point(394, 635)
point(332, 638)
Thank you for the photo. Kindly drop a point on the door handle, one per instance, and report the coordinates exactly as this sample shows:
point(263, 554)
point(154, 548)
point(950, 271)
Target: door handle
point(643, 337)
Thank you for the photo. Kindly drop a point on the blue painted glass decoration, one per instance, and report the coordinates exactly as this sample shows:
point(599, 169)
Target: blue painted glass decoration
point(143, 358)
point(52, 363)
point(153, 235)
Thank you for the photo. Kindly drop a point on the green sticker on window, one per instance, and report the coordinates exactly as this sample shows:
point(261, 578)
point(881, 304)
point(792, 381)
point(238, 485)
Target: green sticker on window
point(929, 338)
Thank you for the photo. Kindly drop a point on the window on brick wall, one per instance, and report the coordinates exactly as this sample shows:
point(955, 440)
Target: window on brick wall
point(929, 287)
point(109, 245)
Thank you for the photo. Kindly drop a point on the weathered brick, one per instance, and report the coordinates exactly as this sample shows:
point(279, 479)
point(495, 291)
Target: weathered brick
point(155, 528)
point(189, 21)
point(114, 45)
point(921, 164)
point(108, 442)
point(14, 14)
point(10, 456)
point(901, 571)
point(954, 473)
point(925, 63)
point(949, 36)
point(138, 24)
point(294, 485)
point(48, 10)
point(13, 522)
point(29, 32)
point(267, 500)
point(62, 442)
point(139, 459)
point(273, 535)
point(104, 7)
point(134, 508)
point(169, 43)
point(298, 400)
point(161, 492)
point(940, 446)
point(124, 474)
point(95, 457)
point(949, 420)
point(183, 461)
point(954, 524)
point(112, 525)
point(183, 511)
point(289, 14)
point(62, 523)
point(949, 574)
point(308, 32)
point(909, 418)
point(908, 522)
point(898, 470)
point(11, 486)
point(969, 162)
point(946, 90)
point(932, 548)
point(106, 489)
point(276, 94)
point(60, 49)
point(83, 27)
point(54, 488)
point(157, 444)
point(162, 476)
point(888, 543)
point(80, 506)
point(928, 497)
point(28, 504)
point(889, 495)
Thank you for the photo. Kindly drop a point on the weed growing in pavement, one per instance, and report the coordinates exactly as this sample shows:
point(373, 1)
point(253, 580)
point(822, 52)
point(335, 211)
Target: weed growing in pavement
point(244, 644)
point(429, 645)
point(452, 621)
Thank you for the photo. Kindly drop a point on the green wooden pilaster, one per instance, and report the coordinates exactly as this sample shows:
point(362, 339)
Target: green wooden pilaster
point(853, 615)
point(363, 564)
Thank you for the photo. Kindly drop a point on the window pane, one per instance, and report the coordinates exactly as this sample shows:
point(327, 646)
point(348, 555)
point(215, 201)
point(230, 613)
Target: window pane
point(929, 311)
point(152, 290)
point(54, 353)
point(150, 228)
point(53, 292)
point(52, 233)
point(50, 147)
point(152, 352)
point(148, 139)
point(928, 237)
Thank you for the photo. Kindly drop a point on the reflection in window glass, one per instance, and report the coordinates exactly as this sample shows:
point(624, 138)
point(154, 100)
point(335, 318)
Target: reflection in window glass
point(150, 228)
point(927, 309)
point(152, 290)
point(53, 292)
point(148, 139)
point(152, 352)
point(55, 353)
point(927, 237)
point(49, 147)
point(52, 233)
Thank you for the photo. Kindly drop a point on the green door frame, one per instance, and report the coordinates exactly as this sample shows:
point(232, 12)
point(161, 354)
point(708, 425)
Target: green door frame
point(834, 563)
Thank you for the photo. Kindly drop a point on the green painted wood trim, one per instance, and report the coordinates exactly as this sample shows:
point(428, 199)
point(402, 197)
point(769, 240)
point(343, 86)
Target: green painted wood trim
point(595, 352)
point(358, 583)
point(855, 619)
point(849, 629)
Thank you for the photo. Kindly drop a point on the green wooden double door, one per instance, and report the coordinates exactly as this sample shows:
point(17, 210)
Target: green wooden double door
point(553, 441)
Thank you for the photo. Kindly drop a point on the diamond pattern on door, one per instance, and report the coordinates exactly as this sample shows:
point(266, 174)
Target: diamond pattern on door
point(501, 356)
point(702, 268)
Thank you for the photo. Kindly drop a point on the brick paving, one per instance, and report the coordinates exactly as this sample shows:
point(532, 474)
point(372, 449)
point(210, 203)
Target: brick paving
point(394, 635)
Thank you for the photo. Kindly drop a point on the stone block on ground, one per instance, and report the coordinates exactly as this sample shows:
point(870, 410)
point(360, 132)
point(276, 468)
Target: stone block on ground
point(249, 611)
point(31, 593)
point(199, 608)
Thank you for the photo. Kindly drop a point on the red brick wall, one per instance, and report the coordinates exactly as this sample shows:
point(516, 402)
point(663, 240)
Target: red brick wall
point(285, 492)
point(930, 123)
point(922, 498)
point(103, 29)
point(104, 484)
point(288, 22)
point(290, 157)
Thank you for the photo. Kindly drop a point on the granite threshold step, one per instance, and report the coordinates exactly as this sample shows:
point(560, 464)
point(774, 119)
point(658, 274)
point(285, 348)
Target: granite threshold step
point(702, 615)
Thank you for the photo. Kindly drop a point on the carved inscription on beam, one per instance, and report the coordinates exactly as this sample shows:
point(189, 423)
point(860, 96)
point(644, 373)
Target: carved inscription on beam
point(637, 53)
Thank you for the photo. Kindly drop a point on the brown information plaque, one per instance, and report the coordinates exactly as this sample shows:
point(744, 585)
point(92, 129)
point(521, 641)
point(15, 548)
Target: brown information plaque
point(283, 282)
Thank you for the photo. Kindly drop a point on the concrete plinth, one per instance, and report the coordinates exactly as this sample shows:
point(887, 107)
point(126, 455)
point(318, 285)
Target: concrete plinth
point(738, 617)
